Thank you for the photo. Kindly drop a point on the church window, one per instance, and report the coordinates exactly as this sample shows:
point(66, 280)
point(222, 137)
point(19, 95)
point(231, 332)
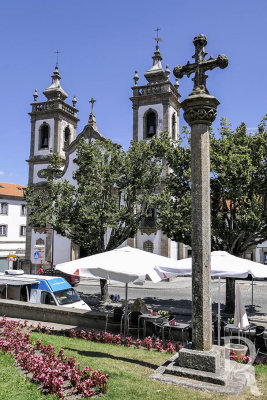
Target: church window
point(150, 220)
point(3, 208)
point(148, 246)
point(67, 136)
point(173, 126)
point(44, 136)
point(151, 124)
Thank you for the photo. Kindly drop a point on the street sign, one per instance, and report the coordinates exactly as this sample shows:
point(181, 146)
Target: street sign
point(38, 254)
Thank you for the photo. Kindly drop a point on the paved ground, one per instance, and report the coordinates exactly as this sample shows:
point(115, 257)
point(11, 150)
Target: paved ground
point(176, 295)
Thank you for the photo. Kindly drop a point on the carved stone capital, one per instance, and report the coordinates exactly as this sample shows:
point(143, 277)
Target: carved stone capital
point(200, 108)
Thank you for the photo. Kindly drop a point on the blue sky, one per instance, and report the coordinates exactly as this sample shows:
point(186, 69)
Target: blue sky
point(103, 42)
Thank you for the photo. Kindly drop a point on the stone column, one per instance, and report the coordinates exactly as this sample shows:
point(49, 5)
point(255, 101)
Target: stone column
point(199, 113)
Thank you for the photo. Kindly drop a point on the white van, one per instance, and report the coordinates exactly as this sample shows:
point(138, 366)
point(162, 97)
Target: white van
point(52, 290)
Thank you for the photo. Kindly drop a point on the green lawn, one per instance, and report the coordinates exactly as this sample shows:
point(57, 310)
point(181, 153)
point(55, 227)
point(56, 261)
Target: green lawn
point(128, 368)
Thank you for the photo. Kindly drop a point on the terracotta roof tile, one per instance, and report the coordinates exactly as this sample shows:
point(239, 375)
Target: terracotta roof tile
point(11, 189)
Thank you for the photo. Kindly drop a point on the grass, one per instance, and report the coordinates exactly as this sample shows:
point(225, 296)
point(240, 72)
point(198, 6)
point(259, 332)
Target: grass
point(128, 368)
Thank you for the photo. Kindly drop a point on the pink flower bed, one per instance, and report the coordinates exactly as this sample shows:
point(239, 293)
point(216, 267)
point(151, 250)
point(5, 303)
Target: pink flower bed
point(53, 370)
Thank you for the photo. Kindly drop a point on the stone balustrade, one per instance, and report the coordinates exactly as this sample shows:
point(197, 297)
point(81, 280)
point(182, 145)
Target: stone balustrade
point(53, 105)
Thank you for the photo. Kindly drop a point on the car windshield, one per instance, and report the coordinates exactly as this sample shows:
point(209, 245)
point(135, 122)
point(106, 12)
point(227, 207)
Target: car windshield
point(67, 296)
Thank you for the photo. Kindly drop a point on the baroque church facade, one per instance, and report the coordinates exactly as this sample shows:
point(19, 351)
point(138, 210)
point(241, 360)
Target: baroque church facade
point(54, 122)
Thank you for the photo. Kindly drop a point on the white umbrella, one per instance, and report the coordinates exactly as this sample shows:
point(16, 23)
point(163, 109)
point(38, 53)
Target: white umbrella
point(240, 318)
point(223, 264)
point(125, 264)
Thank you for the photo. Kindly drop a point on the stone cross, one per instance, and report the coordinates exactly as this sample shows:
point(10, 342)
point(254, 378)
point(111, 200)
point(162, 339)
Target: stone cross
point(92, 101)
point(200, 65)
point(200, 110)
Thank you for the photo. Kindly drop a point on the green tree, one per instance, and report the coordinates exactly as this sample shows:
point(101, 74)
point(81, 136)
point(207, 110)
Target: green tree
point(238, 188)
point(112, 191)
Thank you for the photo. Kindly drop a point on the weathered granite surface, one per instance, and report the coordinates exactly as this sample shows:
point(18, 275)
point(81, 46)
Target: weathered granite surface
point(232, 380)
point(210, 360)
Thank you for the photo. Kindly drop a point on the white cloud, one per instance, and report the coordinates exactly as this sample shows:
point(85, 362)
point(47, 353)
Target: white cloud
point(2, 173)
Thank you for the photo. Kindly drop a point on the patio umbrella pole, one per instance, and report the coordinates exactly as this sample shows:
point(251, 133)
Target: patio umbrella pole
point(252, 293)
point(219, 311)
point(126, 309)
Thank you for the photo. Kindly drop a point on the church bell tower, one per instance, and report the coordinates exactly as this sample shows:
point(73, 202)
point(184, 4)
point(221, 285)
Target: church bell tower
point(53, 127)
point(155, 105)
point(156, 108)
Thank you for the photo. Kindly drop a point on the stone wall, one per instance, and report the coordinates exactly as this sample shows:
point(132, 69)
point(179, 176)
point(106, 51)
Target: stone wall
point(59, 315)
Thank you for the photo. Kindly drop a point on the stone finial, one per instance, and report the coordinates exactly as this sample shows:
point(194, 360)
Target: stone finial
point(35, 95)
point(167, 72)
point(176, 85)
point(136, 77)
point(74, 101)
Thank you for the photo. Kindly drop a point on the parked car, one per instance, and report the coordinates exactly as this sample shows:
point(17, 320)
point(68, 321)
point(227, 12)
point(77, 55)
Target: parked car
point(72, 279)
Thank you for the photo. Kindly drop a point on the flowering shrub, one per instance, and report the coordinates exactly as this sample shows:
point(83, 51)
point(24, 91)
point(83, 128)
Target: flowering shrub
point(170, 348)
point(107, 337)
point(138, 343)
point(159, 345)
point(148, 342)
point(128, 341)
point(117, 339)
point(91, 335)
point(178, 346)
point(243, 359)
point(46, 366)
point(83, 334)
point(73, 333)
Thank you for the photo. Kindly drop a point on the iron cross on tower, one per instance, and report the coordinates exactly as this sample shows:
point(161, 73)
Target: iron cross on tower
point(57, 53)
point(200, 66)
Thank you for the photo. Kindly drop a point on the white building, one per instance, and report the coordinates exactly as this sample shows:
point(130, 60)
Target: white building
point(12, 225)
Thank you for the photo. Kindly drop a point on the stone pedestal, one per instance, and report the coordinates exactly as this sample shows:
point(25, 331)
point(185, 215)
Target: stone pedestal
point(210, 361)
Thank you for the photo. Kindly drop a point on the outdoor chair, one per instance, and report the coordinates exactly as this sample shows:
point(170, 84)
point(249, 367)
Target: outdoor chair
point(132, 323)
point(114, 318)
point(157, 330)
point(259, 339)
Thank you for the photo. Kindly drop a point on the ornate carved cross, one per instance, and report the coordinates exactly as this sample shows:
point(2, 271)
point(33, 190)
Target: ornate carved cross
point(200, 65)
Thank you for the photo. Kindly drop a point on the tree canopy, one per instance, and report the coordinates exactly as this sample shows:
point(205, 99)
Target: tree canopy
point(110, 195)
point(238, 183)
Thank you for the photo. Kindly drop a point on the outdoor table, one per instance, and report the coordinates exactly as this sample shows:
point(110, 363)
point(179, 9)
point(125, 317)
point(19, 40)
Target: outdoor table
point(243, 331)
point(178, 325)
point(146, 318)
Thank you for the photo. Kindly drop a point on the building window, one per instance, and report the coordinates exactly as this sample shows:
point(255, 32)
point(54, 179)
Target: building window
point(173, 126)
point(22, 230)
point(44, 136)
point(23, 209)
point(151, 124)
point(3, 230)
point(148, 246)
point(3, 208)
point(67, 136)
point(150, 220)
